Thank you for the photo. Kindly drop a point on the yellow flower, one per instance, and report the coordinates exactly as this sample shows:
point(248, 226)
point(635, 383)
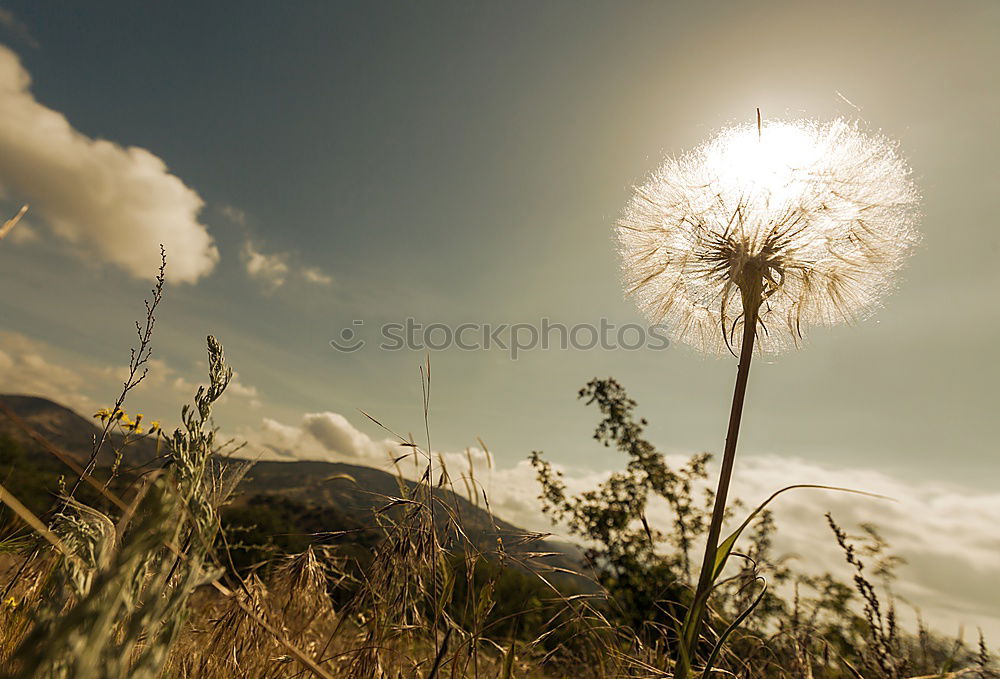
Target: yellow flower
point(10, 602)
point(154, 426)
point(133, 426)
point(103, 414)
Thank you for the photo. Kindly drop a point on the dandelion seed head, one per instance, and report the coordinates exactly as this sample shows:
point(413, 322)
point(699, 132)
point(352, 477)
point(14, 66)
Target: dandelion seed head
point(807, 221)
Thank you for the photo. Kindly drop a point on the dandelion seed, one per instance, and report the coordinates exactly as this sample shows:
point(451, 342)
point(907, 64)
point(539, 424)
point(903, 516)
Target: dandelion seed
point(752, 237)
point(806, 222)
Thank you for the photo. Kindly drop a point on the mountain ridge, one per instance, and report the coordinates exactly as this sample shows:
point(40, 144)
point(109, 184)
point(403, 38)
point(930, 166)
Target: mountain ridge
point(350, 494)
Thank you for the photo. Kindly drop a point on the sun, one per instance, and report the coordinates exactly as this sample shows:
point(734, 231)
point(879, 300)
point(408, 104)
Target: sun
point(769, 163)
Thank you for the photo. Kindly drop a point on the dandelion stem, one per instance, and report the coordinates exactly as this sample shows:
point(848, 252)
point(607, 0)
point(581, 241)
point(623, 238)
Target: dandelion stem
point(706, 581)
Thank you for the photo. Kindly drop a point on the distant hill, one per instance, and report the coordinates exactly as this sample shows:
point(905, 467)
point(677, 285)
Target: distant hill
point(68, 431)
point(323, 483)
point(285, 503)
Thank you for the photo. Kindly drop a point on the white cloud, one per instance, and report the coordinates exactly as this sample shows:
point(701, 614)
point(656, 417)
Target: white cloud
point(238, 388)
point(946, 533)
point(184, 387)
point(926, 518)
point(336, 434)
point(270, 270)
point(113, 202)
point(32, 367)
point(26, 367)
point(324, 436)
point(316, 276)
point(273, 270)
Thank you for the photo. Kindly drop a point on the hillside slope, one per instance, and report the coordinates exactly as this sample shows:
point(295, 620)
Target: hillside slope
point(289, 500)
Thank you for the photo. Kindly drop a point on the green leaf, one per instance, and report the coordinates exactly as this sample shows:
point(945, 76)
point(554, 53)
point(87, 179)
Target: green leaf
point(726, 546)
point(688, 640)
point(732, 626)
point(508, 662)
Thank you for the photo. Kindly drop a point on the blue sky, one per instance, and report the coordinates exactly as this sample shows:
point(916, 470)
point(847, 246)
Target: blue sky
point(330, 162)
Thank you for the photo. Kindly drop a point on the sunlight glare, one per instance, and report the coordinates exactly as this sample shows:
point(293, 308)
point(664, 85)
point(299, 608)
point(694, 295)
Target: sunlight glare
point(767, 164)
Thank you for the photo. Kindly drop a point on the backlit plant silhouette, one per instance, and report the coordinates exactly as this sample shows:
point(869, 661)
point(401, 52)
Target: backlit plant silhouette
point(754, 236)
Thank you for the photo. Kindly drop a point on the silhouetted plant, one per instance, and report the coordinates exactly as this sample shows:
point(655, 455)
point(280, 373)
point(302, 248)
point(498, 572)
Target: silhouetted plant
point(645, 583)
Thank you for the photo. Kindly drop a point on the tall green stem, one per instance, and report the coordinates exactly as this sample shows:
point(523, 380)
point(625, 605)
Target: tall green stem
point(696, 613)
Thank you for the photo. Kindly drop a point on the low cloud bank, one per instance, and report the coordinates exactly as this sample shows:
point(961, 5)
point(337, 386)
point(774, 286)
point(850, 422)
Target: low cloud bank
point(946, 533)
point(33, 367)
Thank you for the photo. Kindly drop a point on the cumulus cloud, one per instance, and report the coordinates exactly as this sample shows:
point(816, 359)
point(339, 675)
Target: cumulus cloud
point(273, 270)
point(108, 201)
point(336, 434)
point(324, 436)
